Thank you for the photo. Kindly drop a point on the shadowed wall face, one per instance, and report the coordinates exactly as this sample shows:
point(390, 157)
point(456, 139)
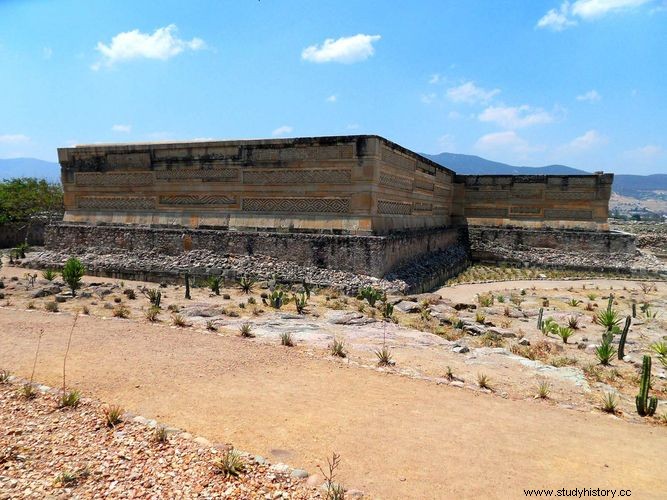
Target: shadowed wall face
point(534, 201)
point(351, 184)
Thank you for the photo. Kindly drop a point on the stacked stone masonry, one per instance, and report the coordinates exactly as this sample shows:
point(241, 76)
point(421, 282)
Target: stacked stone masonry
point(357, 203)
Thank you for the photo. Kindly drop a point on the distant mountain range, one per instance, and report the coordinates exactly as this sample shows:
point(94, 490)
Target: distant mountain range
point(29, 167)
point(636, 186)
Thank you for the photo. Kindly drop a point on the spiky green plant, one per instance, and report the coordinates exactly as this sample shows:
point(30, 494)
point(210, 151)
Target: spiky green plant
point(573, 322)
point(246, 330)
point(113, 415)
point(660, 348)
point(384, 356)
point(152, 313)
point(609, 402)
point(605, 352)
point(49, 274)
point(153, 295)
point(646, 405)
point(337, 348)
point(286, 339)
point(5, 375)
point(608, 318)
point(565, 333)
point(573, 302)
point(178, 320)
point(543, 389)
point(73, 271)
point(214, 284)
point(230, 464)
point(480, 317)
point(483, 381)
point(161, 434)
point(70, 399)
point(246, 284)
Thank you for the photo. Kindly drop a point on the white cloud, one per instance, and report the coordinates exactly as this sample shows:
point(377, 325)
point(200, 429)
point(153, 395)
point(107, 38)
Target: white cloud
point(125, 129)
point(332, 98)
point(470, 93)
point(47, 52)
point(588, 10)
point(513, 117)
point(282, 131)
point(428, 98)
point(590, 96)
point(347, 50)
point(454, 115)
point(505, 142)
point(435, 79)
point(587, 141)
point(14, 139)
point(446, 143)
point(557, 19)
point(162, 45)
point(647, 153)
point(353, 126)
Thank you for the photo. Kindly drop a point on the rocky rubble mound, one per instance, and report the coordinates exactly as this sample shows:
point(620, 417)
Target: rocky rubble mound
point(557, 258)
point(204, 263)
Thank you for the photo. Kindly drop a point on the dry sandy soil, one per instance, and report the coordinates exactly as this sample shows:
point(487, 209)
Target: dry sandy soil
point(403, 432)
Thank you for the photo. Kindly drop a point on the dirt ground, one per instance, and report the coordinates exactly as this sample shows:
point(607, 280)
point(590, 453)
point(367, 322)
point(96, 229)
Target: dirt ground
point(399, 437)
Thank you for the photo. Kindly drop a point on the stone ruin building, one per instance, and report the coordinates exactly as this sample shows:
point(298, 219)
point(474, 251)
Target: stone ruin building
point(360, 204)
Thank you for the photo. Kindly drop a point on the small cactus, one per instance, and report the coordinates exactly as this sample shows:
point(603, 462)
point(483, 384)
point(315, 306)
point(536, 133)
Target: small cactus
point(624, 336)
point(634, 310)
point(277, 299)
point(187, 285)
point(539, 319)
point(646, 405)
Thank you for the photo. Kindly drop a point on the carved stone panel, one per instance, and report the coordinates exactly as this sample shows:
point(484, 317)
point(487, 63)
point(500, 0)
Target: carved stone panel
point(116, 202)
point(297, 176)
point(197, 200)
point(218, 174)
point(90, 179)
point(394, 207)
point(296, 205)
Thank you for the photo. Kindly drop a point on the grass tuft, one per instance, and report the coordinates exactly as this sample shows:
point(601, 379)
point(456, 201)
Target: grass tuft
point(230, 464)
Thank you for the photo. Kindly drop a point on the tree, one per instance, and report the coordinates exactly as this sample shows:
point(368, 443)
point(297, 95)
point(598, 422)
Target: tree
point(22, 198)
point(72, 273)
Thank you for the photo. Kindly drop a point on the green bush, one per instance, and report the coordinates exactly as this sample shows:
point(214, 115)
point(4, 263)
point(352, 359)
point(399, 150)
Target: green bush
point(72, 273)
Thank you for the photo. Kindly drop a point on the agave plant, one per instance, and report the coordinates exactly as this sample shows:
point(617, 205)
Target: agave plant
point(605, 352)
point(608, 318)
point(565, 333)
point(246, 284)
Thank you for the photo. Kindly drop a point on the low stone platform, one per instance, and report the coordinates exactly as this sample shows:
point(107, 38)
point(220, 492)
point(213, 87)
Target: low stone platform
point(601, 251)
point(423, 258)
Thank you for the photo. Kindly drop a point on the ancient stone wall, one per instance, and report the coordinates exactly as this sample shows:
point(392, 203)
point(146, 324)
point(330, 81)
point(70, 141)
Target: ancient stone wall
point(368, 255)
point(351, 184)
point(534, 201)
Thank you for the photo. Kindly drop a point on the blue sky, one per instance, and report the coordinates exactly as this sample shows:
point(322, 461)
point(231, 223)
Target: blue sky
point(528, 82)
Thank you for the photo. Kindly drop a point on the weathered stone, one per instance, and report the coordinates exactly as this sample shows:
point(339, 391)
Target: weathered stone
point(45, 291)
point(460, 349)
point(407, 306)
